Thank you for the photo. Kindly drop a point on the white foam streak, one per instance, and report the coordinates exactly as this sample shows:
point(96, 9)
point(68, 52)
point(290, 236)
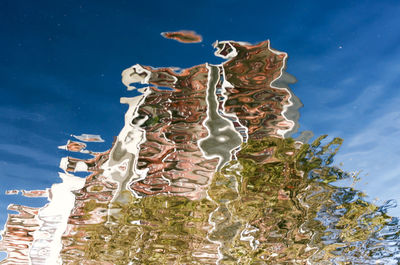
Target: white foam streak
point(53, 217)
point(134, 74)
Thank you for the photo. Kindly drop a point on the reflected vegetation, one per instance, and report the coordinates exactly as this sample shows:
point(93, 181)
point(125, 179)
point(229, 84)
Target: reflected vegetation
point(204, 171)
point(279, 198)
point(274, 205)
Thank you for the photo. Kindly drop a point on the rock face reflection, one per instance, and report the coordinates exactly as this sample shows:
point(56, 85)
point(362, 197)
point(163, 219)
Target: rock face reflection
point(259, 106)
point(203, 172)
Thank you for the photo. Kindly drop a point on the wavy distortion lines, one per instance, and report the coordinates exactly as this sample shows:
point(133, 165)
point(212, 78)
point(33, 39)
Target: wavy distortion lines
point(203, 173)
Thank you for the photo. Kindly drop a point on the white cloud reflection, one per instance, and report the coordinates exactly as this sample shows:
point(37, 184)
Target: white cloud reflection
point(355, 94)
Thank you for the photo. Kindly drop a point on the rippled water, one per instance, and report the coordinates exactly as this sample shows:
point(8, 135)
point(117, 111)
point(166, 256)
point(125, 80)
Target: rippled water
point(205, 171)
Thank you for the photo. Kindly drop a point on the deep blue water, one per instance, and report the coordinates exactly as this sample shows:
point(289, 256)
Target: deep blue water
point(61, 64)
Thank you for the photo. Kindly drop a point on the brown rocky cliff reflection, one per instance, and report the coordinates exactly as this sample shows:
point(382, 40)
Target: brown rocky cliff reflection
point(174, 227)
point(258, 105)
point(18, 234)
point(91, 207)
point(174, 113)
point(173, 128)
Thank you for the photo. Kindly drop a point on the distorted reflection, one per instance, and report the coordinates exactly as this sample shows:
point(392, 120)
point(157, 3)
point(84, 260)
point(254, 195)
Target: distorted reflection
point(205, 171)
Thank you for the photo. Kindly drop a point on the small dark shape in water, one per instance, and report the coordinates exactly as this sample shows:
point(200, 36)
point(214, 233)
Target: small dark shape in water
point(184, 36)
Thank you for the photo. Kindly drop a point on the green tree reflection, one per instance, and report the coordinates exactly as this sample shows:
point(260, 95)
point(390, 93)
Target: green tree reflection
point(275, 204)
